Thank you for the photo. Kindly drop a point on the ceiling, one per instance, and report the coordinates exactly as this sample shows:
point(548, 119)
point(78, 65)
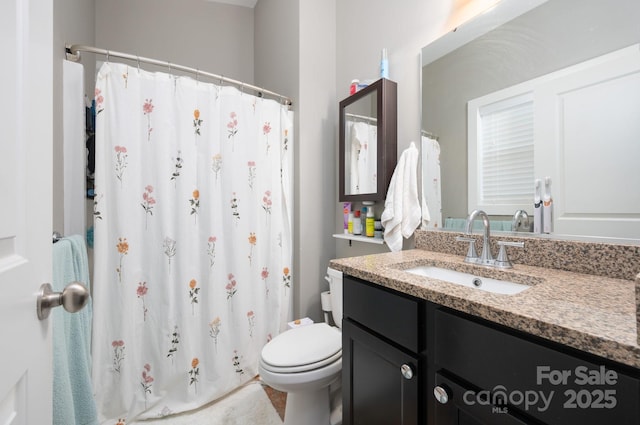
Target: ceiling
point(245, 3)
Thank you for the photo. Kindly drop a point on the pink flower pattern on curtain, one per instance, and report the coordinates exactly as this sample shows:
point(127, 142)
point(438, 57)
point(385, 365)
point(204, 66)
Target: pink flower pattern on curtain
point(172, 279)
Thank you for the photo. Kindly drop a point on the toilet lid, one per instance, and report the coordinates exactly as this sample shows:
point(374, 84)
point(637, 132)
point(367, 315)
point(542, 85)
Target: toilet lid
point(305, 345)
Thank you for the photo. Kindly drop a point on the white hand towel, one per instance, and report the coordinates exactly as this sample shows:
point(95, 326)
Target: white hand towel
point(402, 212)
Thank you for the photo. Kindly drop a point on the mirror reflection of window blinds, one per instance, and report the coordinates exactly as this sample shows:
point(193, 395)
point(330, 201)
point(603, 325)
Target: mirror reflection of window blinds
point(506, 151)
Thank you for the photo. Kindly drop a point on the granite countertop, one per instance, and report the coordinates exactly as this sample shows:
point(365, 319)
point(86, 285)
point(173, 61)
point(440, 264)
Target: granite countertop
point(592, 313)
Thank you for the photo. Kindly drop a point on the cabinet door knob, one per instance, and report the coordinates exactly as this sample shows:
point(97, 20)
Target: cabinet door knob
point(441, 394)
point(406, 370)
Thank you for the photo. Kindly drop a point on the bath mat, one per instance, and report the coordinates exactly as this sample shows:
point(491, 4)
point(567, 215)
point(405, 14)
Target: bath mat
point(248, 405)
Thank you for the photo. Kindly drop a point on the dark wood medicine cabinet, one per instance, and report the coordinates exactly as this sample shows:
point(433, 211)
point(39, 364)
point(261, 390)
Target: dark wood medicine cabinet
point(368, 142)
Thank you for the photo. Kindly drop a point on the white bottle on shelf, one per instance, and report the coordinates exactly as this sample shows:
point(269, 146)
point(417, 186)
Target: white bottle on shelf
point(357, 223)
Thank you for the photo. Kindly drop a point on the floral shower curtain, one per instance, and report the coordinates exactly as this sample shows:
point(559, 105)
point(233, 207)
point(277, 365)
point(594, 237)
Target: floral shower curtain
point(193, 240)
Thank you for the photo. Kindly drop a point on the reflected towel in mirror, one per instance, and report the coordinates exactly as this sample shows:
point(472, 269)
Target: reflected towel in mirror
point(363, 157)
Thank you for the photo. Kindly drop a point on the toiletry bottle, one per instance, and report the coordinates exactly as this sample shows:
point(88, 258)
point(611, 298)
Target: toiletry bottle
point(370, 223)
point(357, 223)
point(547, 207)
point(346, 210)
point(537, 207)
point(353, 88)
point(350, 223)
point(384, 64)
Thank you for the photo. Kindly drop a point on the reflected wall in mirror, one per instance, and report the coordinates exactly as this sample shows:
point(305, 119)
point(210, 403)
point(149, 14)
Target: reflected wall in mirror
point(589, 150)
point(368, 131)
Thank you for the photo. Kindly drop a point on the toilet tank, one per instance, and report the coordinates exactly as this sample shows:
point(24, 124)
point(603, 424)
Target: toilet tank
point(335, 288)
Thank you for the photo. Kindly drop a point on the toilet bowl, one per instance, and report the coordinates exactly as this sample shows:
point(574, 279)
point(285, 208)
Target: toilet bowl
point(304, 362)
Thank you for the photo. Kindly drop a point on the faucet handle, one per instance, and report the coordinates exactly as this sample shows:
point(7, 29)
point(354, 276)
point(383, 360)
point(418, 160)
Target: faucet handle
point(472, 255)
point(503, 259)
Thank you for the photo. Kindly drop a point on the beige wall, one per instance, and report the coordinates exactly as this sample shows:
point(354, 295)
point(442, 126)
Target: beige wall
point(295, 53)
point(196, 33)
point(74, 24)
point(364, 27)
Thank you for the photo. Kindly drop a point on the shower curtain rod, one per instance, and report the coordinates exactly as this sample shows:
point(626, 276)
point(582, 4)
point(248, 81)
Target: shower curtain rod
point(430, 135)
point(73, 54)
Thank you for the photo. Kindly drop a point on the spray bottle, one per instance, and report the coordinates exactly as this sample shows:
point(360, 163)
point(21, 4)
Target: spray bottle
point(537, 207)
point(547, 207)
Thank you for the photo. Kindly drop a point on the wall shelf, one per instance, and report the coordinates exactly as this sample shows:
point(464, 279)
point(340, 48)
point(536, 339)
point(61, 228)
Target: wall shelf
point(358, 238)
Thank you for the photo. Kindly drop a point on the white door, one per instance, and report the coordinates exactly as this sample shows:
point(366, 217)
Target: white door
point(587, 125)
point(26, 32)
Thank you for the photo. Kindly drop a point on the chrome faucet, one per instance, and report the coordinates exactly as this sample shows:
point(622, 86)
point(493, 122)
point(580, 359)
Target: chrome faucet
point(485, 258)
point(520, 217)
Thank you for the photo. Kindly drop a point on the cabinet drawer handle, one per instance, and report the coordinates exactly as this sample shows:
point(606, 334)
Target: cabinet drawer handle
point(441, 394)
point(406, 370)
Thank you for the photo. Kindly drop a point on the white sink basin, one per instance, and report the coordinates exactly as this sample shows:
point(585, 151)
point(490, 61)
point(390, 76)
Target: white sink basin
point(472, 281)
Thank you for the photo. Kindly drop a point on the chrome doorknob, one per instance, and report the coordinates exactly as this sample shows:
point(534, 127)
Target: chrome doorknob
point(73, 298)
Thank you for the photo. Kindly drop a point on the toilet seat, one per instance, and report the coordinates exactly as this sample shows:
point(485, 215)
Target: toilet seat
point(303, 349)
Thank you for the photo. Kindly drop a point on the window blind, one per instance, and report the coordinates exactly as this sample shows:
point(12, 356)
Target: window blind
point(506, 152)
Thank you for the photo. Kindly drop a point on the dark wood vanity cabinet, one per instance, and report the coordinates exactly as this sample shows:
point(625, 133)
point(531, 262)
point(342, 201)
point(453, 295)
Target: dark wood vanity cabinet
point(463, 370)
point(495, 375)
point(456, 409)
point(383, 359)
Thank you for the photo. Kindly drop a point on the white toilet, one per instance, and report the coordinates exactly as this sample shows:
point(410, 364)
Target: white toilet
point(305, 362)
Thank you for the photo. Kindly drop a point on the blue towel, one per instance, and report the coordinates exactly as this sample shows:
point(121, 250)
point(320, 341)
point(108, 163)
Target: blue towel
point(73, 402)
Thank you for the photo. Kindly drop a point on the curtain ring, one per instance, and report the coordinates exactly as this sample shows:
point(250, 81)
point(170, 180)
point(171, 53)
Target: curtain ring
point(138, 59)
point(107, 56)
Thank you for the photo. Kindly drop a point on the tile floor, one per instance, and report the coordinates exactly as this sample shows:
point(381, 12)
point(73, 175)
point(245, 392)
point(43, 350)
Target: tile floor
point(278, 399)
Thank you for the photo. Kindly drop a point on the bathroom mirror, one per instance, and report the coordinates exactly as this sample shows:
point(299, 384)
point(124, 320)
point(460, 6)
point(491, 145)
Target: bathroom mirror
point(591, 156)
point(367, 142)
